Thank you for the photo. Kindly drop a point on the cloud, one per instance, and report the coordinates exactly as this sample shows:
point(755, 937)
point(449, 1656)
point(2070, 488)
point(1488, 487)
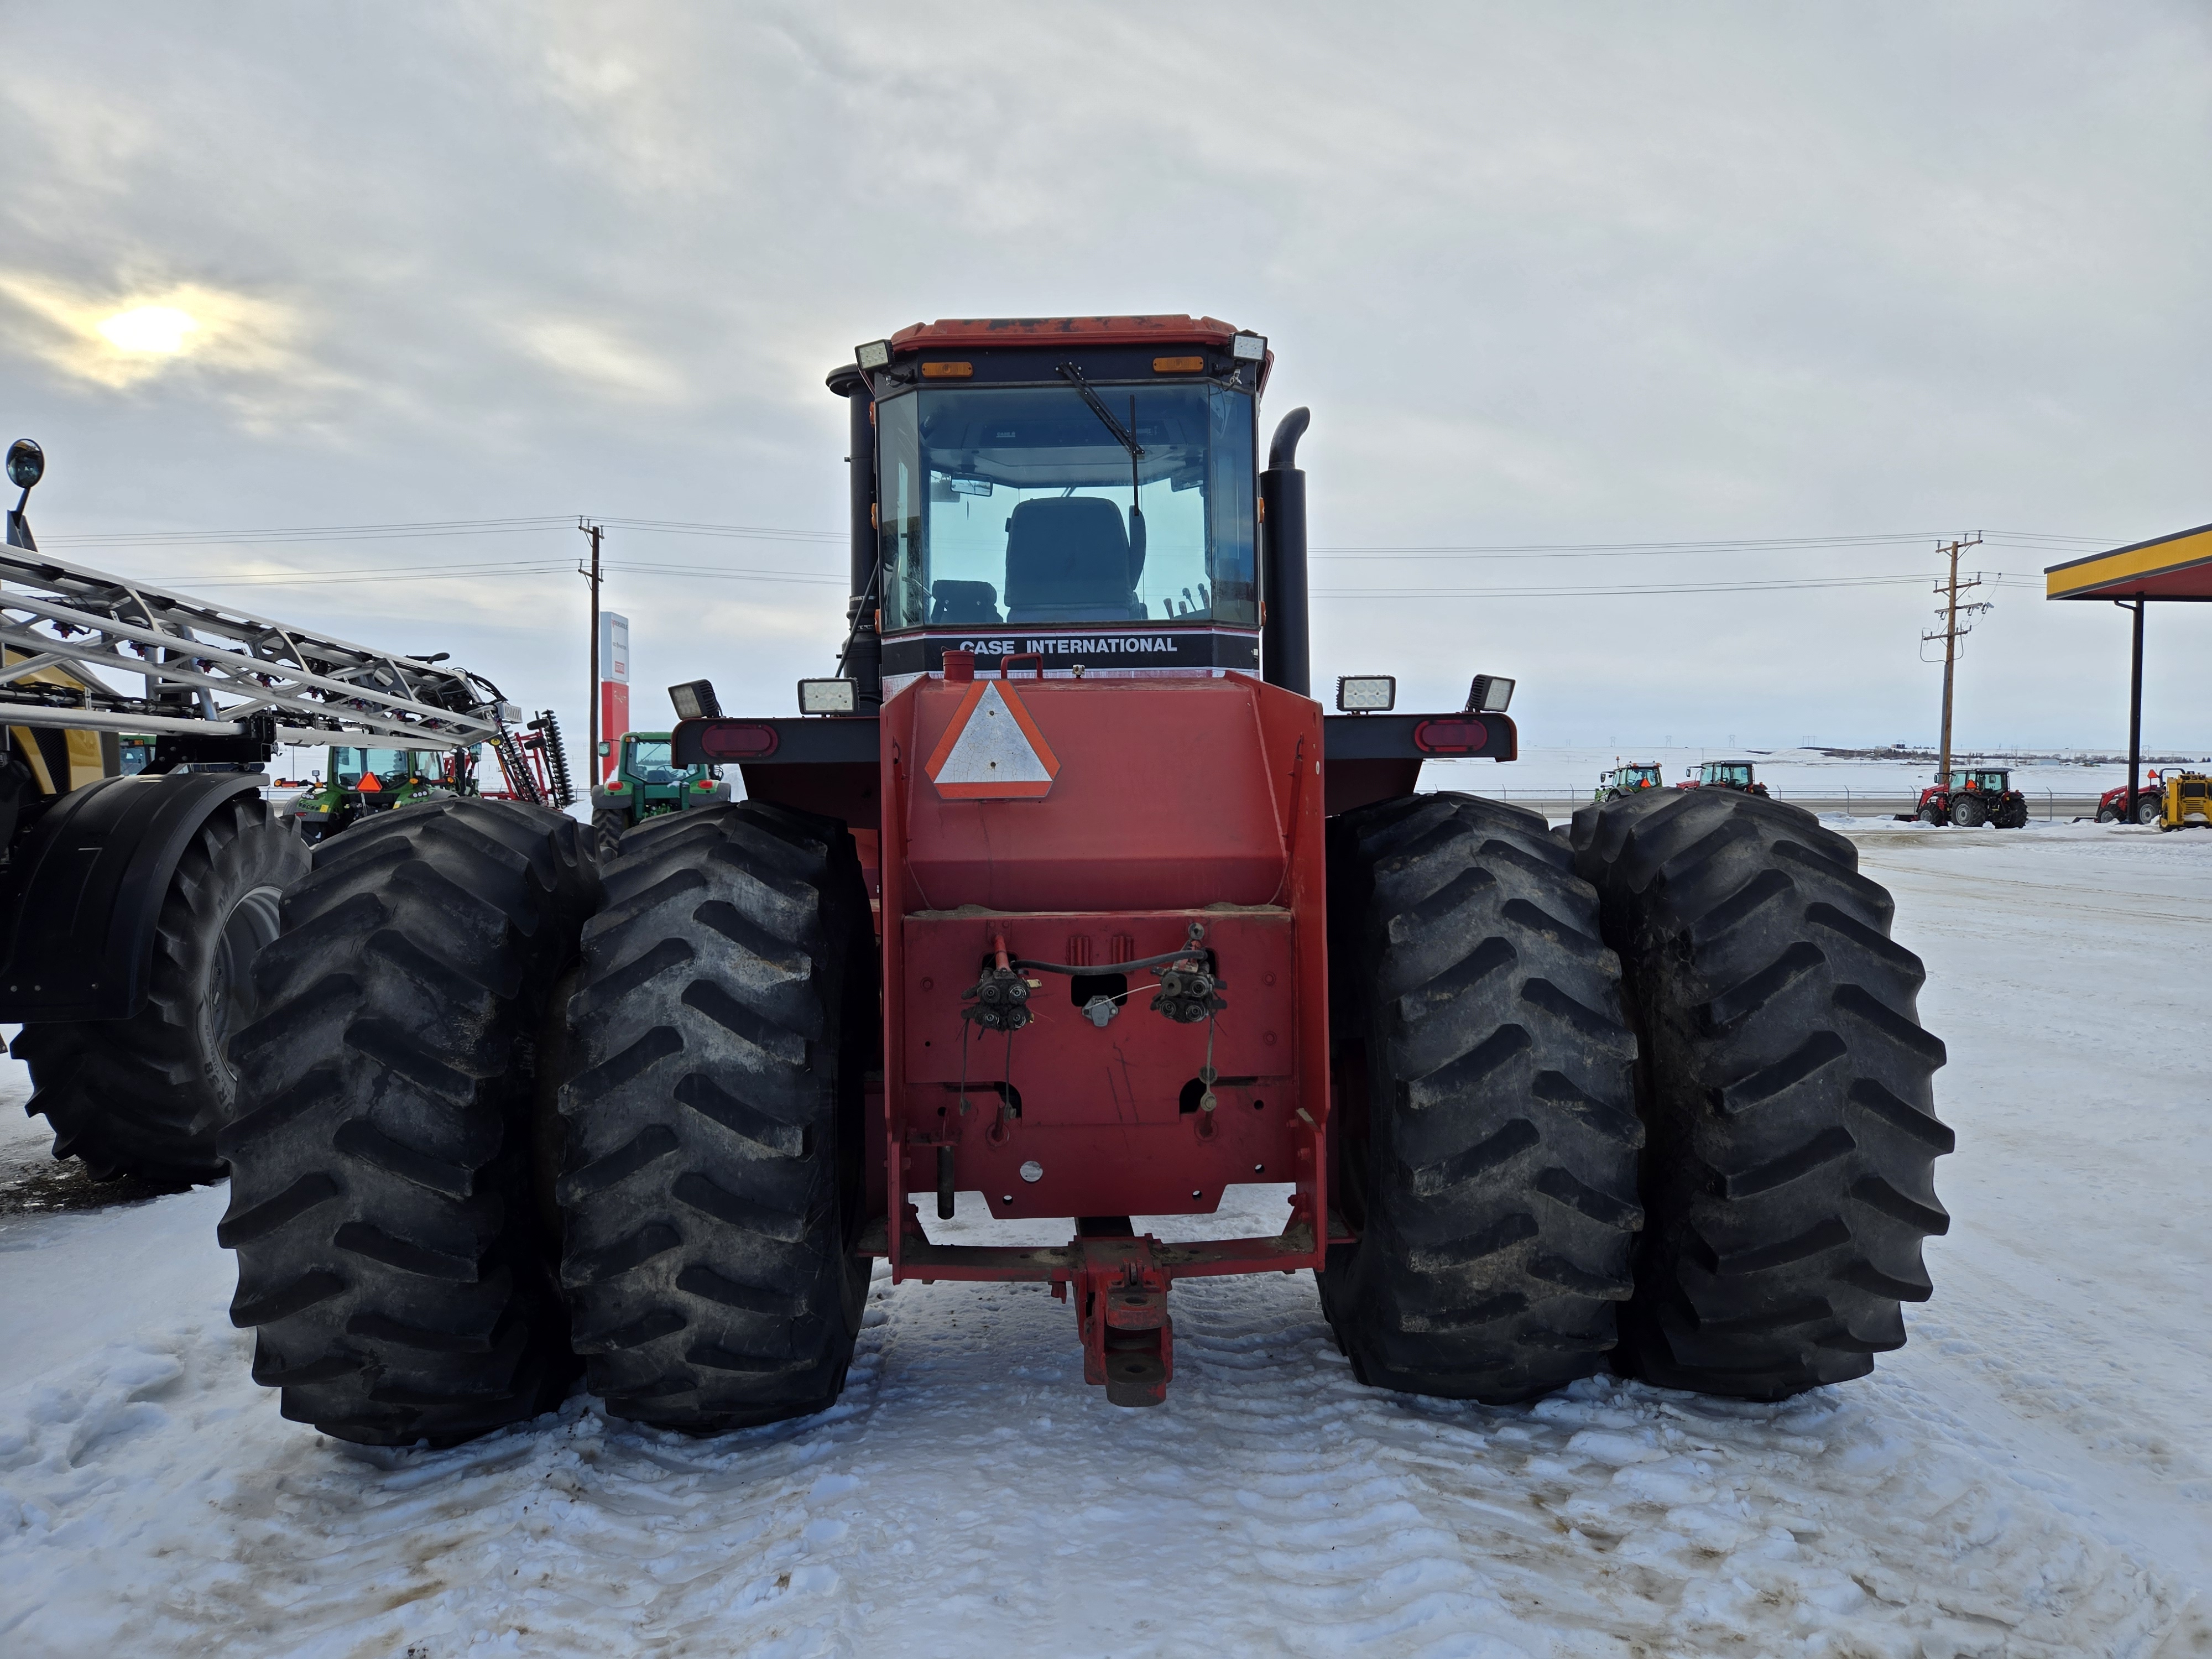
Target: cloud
point(126, 334)
point(600, 360)
point(1543, 275)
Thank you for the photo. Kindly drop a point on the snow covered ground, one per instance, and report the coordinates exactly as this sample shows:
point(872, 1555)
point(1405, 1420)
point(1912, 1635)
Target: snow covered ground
point(2033, 1475)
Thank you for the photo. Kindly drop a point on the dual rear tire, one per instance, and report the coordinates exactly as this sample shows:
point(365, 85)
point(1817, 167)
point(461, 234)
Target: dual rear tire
point(1653, 1097)
point(509, 1116)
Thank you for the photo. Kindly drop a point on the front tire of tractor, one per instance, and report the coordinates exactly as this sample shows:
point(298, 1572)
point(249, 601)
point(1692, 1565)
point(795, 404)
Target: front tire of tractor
point(2108, 815)
point(1785, 1085)
point(1931, 813)
point(713, 1187)
point(392, 1258)
point(1969, 812)
point(607, 830)
point(144, 1097)
point(1487, 1146)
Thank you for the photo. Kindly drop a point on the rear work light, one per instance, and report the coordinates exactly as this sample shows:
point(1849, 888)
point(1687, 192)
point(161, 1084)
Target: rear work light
point(876, 354)
point(827, 696)
point(694, 699)
point(1451, 737)
point(738, 740)
point(1248, 348)
point(1489, 695)
point(1359, 694)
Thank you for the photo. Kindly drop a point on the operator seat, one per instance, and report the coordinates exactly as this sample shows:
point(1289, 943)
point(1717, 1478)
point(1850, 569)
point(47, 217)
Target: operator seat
point(1068, 559)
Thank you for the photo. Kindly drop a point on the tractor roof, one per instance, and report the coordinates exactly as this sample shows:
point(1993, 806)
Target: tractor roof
point(957, 331)
point(992, 335)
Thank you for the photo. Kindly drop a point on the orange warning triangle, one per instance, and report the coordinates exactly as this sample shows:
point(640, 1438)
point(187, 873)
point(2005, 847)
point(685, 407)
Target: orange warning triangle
point(992, 750)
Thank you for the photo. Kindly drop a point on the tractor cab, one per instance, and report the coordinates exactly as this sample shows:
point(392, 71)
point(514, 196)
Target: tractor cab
point(647, 780)
point(648, 783)
point(1080, 495)
point(1983, 780)
point(1626, 781)
point(1723, 775)
point(366, 779)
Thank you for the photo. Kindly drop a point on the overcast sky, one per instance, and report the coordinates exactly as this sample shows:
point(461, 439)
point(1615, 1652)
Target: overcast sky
point(1548, 276)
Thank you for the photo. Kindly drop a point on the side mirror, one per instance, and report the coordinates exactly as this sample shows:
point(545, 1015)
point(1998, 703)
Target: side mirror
point(27, 465)
point(26, 462)
point(606, 749)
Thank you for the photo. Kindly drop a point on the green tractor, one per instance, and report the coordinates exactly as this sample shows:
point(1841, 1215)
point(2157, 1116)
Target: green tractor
point(648, 783)
point(360, 781)
point(1626, 781)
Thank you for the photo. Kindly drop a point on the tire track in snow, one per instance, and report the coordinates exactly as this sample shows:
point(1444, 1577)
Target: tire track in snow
point(970, 1496)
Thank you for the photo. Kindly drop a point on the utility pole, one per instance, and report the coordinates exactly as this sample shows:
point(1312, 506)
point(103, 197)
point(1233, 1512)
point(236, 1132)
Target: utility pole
point(1951, 634)
point(591, 575)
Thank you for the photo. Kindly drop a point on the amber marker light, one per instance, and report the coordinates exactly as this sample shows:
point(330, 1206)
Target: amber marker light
point(1178, 365)
point(948, 371)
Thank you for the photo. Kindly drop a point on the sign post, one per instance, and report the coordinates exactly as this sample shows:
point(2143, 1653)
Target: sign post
point(613, 690)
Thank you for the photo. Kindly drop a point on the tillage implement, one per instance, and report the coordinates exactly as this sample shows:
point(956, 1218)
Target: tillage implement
point(1062, 912)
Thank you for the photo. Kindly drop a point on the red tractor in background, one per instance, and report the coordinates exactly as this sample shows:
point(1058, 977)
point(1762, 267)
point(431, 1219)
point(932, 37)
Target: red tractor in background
point(1973, 797)
point(1723, 775)
point(2148, 807)
point(1065, 900)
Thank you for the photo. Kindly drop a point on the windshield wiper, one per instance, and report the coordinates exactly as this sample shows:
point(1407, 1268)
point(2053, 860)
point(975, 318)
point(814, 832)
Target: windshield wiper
point(1128, 438)
point(1126, 435)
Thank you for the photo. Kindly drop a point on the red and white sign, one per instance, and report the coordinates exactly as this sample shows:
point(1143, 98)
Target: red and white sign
point(993, 749)
point(614, 690)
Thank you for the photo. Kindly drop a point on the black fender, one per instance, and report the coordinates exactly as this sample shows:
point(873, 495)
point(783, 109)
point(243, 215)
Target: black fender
point(83, 889)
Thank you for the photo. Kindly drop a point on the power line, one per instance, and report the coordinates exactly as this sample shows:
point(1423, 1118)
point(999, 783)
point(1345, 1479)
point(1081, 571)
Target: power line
point(423, 529)
point(1642, 550)
point(1593, 589)
point(502, 568)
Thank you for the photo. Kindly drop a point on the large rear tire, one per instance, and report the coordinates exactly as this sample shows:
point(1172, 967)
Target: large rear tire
point(713, 1187)
point(391, 1259)
point(1486, 1149)
point(1788, 1180)
point(2150, 809)
point(144, 1097)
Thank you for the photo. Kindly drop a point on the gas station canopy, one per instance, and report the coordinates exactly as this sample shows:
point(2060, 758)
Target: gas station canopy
point(2176, 567)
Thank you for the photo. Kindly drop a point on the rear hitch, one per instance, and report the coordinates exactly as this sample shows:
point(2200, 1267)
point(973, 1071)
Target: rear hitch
point(1121, 1306)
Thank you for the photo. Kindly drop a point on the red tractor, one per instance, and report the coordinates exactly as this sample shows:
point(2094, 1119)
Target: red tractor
point(1065, 900)
point(1723, 775)
point(2148, 807)
point(1976, 796)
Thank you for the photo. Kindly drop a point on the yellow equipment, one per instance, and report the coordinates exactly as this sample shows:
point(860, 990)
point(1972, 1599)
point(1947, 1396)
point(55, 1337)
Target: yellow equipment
point(2187, 800)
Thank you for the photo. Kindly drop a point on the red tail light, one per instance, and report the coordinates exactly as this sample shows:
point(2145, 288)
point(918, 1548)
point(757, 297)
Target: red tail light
point(738, 740)
point(1451, 737)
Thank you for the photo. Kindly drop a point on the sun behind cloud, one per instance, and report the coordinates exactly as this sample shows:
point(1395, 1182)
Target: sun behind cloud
point(158, 329)
point(121, 338)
